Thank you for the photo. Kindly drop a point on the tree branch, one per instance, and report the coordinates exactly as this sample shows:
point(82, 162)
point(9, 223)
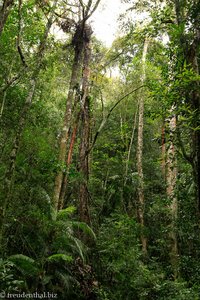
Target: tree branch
point(105, 119)
point(88, 15)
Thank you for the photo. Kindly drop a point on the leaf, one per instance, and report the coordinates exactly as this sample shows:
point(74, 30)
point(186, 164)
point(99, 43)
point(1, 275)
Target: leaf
point(66, 212)
point(24, 264)
point(65, 279)
point(79, 246)
point(60, 257)
point(46, 279)
point(84, 227)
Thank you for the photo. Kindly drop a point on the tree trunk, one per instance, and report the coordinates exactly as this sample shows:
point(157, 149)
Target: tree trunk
point(130, 145)
point(171, 178)
point(85, 140)
point(190, 53)
point(69, 158)
point(84, 166)
point(80, 39)
point(17, 139)
point(74, 88)
point(163, 150)
point(141, 201)
point(195, 104)
point(4, 12)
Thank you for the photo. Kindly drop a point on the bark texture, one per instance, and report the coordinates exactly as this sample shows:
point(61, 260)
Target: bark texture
point(171, 179)
point(141, 200)
point(130, 145)
point(68, 163)
point(163, 165)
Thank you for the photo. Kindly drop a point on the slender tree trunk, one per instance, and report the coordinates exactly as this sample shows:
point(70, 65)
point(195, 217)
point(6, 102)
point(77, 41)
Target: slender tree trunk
point(4, 12)
point(85, 140)
point(141, 200)
point(18, 135)
point(3, 103)
point(130, 145)
point(171, 178)
point(163, 151)
point(4, 91)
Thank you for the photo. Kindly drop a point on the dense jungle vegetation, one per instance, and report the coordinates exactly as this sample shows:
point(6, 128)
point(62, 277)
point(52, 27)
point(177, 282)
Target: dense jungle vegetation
point(100, 152)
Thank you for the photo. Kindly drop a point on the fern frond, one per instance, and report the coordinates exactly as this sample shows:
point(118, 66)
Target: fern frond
point(79, 248)
point(25, 264)
point(66, 280)
point(66, 212)
point(60, 257)
point(84, 227)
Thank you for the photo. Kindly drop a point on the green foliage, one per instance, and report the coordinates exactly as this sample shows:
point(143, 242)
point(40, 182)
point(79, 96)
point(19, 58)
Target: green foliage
point(24, 264)
point(55, 272)
point(8, 282)
point(48, 250)
point(59, 257)
point(122, 270)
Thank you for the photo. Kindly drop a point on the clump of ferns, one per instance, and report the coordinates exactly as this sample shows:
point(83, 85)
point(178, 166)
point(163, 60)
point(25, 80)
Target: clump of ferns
point(54, 269)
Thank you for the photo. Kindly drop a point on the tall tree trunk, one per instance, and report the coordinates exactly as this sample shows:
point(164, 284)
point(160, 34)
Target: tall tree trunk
point(80, 39)
point(4, 12)
point(84, 165)
point(85, 140)
point(74, 88)
point(171, 178)
point(195, 104)
point(141, 200)
point(163, 151)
